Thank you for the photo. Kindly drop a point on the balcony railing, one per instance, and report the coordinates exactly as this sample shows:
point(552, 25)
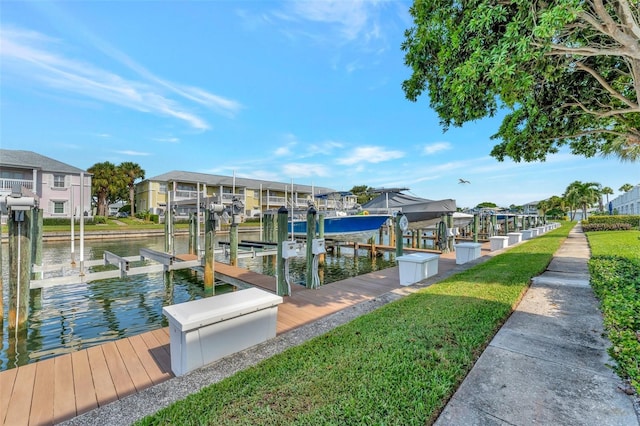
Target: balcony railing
point(9, 184)
point(188, 195)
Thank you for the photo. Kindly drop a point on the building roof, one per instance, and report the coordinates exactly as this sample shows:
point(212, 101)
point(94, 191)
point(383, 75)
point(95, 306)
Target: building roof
point(31, 160)
point(192, 177)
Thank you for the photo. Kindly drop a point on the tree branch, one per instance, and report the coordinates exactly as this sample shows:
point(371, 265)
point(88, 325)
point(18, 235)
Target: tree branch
point(607, 86)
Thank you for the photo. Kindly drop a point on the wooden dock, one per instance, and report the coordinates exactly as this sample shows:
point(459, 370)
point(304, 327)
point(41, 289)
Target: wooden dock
point(60, 388)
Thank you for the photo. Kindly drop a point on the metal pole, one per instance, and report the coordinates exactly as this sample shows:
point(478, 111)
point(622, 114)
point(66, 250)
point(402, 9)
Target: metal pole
point(81, 224)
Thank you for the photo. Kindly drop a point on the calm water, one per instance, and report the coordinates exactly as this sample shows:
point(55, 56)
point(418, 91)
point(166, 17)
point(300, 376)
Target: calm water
point(67, 318)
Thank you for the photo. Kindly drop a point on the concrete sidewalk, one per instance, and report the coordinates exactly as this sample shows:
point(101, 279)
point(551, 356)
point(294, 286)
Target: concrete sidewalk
point(548, 364)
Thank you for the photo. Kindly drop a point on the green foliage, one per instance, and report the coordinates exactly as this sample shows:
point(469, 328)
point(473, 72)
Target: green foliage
point(398, 365)
point(99, 220)
point(487, 204)
point(592, 227)
point(632, 220)
point(363, 192)
point(566, 76)
point(615, 279)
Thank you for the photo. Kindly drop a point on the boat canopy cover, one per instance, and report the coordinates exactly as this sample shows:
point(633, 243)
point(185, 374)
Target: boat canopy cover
point(419, 211)
point(405, 202)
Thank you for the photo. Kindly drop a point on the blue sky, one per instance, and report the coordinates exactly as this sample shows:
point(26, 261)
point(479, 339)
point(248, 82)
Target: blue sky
point(306, 91)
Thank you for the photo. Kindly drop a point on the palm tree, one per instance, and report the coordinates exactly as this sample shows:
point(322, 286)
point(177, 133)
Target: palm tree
point(544, 206)
point(626, 187)
point(106, 183)
point(582, 195)
point(607, 191)
point(132, 171)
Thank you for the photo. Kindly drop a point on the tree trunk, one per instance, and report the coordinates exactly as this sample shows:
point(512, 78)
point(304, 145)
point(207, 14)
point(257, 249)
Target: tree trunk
point(131, 196)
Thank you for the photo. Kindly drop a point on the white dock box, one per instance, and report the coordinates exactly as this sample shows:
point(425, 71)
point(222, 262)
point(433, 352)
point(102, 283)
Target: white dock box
point(466, 252)
point(498, 242)
point(527, 234)
point(202, 331)
point(514, 237)
point(416, 267)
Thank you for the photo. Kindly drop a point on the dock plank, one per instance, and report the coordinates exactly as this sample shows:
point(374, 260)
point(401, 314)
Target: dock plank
point(155, 371)
point(64, 396)
point(83, 386)
point(19, 408)
point(105, 389)
point(138, 374)
point(42, 401)
point(119, 374)
point(7, 379)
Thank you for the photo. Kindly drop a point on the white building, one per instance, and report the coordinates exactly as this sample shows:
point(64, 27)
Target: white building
point(627, 203)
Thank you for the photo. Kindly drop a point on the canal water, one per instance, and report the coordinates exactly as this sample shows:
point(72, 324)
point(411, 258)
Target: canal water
point(71, 317)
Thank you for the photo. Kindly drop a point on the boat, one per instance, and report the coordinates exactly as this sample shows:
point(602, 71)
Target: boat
point(420, 212)
point(344, 220)
point(358, 227)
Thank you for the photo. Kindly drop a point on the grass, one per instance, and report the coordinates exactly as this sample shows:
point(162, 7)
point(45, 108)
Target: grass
point(398, 365)
point(120, 224)
point(615, 277)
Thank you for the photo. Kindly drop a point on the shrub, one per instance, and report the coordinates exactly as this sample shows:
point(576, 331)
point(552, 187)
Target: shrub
point(632, 220)
point(588, 227)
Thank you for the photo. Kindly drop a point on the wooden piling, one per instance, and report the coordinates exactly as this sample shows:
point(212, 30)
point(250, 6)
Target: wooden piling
point(311, 233)
point(398, 232)
point(281, 283)
point(321, 236)
point(193, 241)
point(36, 241)
point(233, 242)
point(19, 223)
point(1, 280)
point(209, 241)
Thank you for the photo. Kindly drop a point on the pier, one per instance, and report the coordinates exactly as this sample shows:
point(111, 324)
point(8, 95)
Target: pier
point(60, 388)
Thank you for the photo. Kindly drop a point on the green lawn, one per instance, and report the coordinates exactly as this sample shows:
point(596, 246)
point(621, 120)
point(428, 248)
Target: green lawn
point(398, 365)
point(615, 277)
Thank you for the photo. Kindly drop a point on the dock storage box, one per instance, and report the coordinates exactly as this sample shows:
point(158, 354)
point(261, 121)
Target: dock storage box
point(527, 234)
point(466, 252)
point(514, 237)
point(202, 331)
point(416, 267)
point(498, 242)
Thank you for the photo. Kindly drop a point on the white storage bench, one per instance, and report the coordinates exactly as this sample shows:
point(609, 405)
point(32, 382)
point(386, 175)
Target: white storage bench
point(202, 331)
point(498, 242)
point(416, 267)
point(466, 252)
point(514, 238)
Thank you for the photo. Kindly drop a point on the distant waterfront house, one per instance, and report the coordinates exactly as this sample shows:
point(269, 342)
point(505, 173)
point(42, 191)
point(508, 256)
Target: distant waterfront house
point(627, 203)
point(530, 208)
point(182, 190)
point(55, 184)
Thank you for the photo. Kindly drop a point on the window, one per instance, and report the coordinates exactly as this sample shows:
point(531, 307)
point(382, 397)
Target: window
point(58, 207)
point(162, 188)
point(58, 181)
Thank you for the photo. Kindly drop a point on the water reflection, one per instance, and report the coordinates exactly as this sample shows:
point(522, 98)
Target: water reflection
point(67, 318)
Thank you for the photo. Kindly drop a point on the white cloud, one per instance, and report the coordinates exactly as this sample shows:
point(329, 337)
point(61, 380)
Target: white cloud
point(33, 57)
point(369, 154)
point(169, 140)
point(433, 148)
point(350, 17)
point(134, 153)
point(298, 170)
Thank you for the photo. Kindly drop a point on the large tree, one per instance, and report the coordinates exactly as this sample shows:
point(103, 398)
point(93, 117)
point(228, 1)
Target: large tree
point(566, 71)
point(132, 172)
point(106, 183)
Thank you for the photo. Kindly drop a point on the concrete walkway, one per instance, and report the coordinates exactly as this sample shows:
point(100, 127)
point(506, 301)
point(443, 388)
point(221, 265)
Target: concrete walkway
point(548, 364)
